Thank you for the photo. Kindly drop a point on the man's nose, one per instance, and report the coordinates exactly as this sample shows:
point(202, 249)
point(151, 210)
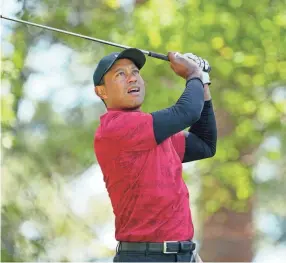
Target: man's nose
point(131, 78)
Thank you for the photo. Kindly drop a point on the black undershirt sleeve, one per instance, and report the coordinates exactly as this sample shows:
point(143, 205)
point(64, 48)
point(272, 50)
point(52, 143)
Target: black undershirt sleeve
point(202, 137)
point(183, 114)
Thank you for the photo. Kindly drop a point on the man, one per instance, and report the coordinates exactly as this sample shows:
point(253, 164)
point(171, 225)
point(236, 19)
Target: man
point(141, 156)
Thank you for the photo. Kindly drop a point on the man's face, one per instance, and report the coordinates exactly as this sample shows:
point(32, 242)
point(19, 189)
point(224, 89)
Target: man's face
point(123, 86)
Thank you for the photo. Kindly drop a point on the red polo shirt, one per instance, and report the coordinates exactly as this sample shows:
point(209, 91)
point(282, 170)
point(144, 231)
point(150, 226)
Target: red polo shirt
point(144, 180)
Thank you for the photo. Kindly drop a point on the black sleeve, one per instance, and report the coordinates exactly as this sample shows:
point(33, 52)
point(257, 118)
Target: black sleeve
point(202, 137)
point(183, 114)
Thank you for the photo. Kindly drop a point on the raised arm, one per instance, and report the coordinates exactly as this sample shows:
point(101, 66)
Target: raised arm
point(201, 138)
point(188, 108)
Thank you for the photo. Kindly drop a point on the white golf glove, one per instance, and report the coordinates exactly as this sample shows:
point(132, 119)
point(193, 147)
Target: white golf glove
point(203, 64)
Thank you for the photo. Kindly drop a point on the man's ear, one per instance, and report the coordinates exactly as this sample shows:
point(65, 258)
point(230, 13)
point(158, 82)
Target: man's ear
point(100, 91)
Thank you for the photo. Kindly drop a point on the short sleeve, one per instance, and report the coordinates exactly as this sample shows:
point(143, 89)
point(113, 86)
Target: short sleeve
point(179, 143)
point(133, 130)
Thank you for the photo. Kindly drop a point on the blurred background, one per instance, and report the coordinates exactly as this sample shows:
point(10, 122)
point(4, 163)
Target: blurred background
point(54, 203)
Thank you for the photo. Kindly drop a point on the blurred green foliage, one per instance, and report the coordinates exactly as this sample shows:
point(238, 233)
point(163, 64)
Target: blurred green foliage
point(244, 41)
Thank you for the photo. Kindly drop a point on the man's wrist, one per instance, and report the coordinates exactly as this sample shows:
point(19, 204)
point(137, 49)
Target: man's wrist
point(196, 74)
point(207, 93)
point(193, 79)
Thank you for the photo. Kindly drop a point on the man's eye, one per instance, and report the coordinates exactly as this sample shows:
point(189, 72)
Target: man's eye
point(121, 73)
point(136, 71)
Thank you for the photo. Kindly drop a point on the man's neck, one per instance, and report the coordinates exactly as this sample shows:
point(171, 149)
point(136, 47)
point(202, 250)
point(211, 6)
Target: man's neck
point(124, 109)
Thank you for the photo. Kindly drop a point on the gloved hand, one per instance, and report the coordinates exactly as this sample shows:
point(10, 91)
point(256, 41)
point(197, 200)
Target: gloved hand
point(183, 66)
point(203, 64)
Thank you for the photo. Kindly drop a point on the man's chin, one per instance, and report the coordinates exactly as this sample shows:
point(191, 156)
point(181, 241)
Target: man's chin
point(133, 107)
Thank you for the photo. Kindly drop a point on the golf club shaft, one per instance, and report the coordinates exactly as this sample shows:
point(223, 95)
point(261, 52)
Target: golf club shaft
point(148, 53)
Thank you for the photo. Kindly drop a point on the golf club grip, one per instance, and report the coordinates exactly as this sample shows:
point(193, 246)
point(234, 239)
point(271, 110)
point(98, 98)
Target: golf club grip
point(159, 56)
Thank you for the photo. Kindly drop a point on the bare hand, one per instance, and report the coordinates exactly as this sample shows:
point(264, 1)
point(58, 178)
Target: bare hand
point(184, 67)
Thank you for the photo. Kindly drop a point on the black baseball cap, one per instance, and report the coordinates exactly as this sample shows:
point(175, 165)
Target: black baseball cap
point(134, 54)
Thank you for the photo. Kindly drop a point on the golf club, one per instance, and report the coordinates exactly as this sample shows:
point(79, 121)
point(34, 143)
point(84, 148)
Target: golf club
point(148, 53)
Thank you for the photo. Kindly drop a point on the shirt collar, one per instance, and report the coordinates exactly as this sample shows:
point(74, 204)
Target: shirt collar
point(123, 110)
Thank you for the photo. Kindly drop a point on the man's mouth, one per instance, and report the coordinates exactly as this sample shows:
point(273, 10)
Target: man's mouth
point(133, 90)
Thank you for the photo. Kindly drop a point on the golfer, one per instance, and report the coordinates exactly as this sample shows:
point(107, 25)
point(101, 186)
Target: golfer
point(141, 155)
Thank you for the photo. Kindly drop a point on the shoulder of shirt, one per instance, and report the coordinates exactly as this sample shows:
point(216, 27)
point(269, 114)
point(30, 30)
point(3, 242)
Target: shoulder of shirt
point(119, 115)
point(112, 121)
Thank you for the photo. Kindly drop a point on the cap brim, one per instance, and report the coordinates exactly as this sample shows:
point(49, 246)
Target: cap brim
point(135, 55)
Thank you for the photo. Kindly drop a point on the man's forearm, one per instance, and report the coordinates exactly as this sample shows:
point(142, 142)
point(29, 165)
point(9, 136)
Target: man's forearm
point(184, 113)
point(202, 137)
point(205, 128)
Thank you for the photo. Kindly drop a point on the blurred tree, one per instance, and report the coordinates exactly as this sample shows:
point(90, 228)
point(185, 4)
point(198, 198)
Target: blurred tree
point(243, 41)
point(40, 152)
